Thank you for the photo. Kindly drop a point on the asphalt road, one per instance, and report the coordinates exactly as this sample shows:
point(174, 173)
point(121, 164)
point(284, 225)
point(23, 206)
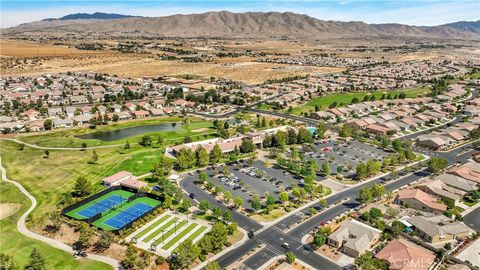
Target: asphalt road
point(274, 236)
point(472, 220)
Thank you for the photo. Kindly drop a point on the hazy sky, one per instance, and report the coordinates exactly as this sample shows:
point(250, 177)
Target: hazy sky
point(420, 12)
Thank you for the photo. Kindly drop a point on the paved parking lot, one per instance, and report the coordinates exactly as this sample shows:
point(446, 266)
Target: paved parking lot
point(245, 180)
point(343, 154)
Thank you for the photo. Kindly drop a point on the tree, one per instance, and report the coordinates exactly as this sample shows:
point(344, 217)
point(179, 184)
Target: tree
point(216, 154)
point(247, 146)
point(304, 136)
point(84, 145)
point(373, 167)
point(377, 191)
point(163, 167)
point(283, 196)
point(319, 239)
point(367, 262)
point(375, 213)
point(326, 167)
point(397, 145)
point(132, 259)
point(94, 156)
point(126, 146)
point(238, 201)
point(219, 235)
point(397, 228)
point(185, 158)
point(48, 124)
point(291, 136)
point(227, 216)
point(364, 195)
point(7, 263)
point(437, 164)
point(202, 157)
point(159, 139)
point(361, 170)
point(105, 240)
point(321, 130)
point(256, 204)
point(82, 187)
point(47, 154)
point(202, 177)
point(145, 141)
point(204, 205)
point(290, 257)
point(227, 196)
point(36, 261)
point(323, 202)
point(213, 265)
point(186, 204)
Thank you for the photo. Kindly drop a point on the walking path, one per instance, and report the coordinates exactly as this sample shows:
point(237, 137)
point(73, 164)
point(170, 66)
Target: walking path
point(22, 228)
point(59, 148)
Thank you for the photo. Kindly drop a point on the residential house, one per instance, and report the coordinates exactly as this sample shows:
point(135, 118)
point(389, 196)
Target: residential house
point(401, 254)
point(354, 237)
point(439, 228)
point(469, 171)
point(417, 199)
point(441, 190)
point(62, 123)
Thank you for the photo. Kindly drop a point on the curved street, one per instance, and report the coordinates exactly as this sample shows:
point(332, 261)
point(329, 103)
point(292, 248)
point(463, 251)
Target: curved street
point(22, 228)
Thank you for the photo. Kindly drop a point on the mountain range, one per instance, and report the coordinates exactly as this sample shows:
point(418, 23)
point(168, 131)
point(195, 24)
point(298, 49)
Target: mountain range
point(93, 16)
point(249, 24)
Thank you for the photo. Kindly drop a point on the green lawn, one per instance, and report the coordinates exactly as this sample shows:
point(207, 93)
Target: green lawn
point(159, 230)
point(197, 233)
point(197, 129)
point(139, 163)
point(19, 247)
point(344, 99)
point(153, 226)
point(74, 213)
point(179, 236)
point(48, 178)
point(171, 231)
point(475, 75)
point(145, 200)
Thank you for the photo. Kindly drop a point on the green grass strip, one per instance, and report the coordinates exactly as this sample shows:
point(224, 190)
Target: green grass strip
point(179, 236)
point(74, 213)
point(159, 230)
point(153, 226)
point(195, 234)
point(170, 232)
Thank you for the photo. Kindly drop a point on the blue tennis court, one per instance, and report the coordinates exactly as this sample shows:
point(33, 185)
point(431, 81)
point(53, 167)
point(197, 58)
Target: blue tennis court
point(101, 206)
point(128, 215)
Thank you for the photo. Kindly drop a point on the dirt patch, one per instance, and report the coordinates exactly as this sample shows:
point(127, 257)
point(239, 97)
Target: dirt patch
point(26, 49)
point(8, 209)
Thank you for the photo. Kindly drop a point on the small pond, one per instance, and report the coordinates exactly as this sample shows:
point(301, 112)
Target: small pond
point(113, 135)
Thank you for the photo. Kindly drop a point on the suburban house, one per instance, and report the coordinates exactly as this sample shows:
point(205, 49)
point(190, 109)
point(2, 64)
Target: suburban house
point(62, 123)
point(354, 237)
point(417, 199)
point(457, 182)
point(469, 171)
point(442, 190)
point(439, 228)
point(401, 254)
